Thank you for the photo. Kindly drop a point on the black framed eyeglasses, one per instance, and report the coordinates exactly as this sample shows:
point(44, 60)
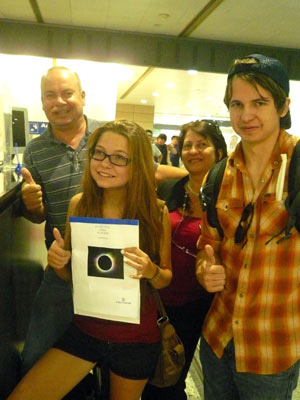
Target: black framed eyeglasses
point(115, 159)
point(244, 224)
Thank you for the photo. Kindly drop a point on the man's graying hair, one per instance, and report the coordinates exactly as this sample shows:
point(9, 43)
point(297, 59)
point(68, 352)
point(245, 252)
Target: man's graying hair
point(61, 68)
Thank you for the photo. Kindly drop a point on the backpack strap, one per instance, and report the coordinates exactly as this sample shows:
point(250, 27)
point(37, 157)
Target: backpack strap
point(292, 202)
point(209, 194)
point(294, 172)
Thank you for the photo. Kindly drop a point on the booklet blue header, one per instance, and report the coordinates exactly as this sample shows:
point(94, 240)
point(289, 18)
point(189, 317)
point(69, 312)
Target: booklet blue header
point(112, 221)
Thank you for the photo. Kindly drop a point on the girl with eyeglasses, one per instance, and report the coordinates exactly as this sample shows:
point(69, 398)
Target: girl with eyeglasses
point(118, 182)
point(201, 145)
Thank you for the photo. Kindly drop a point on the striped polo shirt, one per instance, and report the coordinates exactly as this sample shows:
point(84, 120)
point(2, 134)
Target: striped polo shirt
point(58, 168)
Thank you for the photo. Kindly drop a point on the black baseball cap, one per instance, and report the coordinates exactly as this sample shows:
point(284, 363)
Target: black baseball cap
point(267, 66)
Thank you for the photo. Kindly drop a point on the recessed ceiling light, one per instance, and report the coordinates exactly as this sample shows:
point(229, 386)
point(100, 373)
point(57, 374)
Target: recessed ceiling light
point(192, 72)
point(170, 85)
point(144, 101)
point(209, 98)
point(188, 104)
point(155, 94)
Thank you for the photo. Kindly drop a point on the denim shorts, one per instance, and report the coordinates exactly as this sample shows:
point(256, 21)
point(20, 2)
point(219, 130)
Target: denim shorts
point(129, 360)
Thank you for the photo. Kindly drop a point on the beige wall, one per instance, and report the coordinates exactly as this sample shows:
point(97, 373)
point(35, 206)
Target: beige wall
point(142, 115)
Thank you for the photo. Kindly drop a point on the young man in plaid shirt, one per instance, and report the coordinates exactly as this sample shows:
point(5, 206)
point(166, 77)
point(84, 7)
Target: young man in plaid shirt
point(250, 348)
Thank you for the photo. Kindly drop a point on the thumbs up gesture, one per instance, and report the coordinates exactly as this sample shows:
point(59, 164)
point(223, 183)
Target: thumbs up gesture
point(32, 195)
point(209, 274)
point(58, 257)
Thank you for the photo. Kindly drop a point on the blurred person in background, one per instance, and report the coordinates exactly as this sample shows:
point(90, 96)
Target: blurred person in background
point(174, 151)
point(157, 156)
point(161, 145)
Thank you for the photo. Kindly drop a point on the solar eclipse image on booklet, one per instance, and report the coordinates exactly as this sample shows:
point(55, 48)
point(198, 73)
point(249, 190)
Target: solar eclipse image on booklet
point(105, 263)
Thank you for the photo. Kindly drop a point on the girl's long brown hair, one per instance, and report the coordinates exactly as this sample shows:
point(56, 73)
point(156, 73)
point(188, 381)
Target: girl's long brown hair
point(141, 201)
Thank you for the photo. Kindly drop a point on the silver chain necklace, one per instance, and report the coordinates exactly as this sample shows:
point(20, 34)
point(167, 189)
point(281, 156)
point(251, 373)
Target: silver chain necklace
point(191, 190)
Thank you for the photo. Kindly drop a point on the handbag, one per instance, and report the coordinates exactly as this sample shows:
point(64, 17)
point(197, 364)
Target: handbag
point(171, 358)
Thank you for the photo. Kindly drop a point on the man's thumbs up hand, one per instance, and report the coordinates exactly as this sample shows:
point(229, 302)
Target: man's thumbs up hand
point(32, 195)
point(58, 257)
point(59, 240)
point(27, 176)
point(209, 274)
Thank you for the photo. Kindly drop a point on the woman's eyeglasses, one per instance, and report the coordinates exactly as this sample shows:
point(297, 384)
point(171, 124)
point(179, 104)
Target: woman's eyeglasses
point(244, 224)
point(115, 159)
point(214, 124)
point(182, 248)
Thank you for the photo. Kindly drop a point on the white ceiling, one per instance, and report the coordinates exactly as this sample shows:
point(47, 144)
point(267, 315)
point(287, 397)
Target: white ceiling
point(192, 95)
point(261, 22)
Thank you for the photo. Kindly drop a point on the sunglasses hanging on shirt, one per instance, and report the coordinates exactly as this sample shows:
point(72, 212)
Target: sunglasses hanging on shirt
point(244, 225)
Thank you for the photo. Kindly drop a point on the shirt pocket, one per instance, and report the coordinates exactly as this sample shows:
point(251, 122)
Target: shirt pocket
point(229, 213)
point(273, 216)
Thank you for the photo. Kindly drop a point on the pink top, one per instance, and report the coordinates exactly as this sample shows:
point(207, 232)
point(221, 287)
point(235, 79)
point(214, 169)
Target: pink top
point(184, 287)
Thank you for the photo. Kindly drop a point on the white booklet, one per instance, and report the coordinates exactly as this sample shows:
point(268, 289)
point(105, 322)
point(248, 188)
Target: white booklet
point(102, 286)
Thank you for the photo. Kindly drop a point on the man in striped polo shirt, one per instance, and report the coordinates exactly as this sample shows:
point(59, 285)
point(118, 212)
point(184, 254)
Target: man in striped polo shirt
point(54, 163)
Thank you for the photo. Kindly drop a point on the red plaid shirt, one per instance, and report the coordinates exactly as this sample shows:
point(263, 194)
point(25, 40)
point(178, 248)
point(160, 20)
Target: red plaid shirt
point(260, 304)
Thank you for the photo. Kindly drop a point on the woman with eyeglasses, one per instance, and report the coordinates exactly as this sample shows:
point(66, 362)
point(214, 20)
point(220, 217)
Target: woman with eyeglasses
point(201, 145)
point(118, 182)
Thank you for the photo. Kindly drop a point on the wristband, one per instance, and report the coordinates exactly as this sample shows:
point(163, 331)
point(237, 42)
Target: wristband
point(156, 275)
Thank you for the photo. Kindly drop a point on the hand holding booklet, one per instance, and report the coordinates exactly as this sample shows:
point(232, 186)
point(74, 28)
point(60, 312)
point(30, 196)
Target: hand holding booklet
point(102, 286)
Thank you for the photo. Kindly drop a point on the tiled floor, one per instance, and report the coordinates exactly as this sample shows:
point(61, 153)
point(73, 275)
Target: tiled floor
point(194, 388)
point(296, 394)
